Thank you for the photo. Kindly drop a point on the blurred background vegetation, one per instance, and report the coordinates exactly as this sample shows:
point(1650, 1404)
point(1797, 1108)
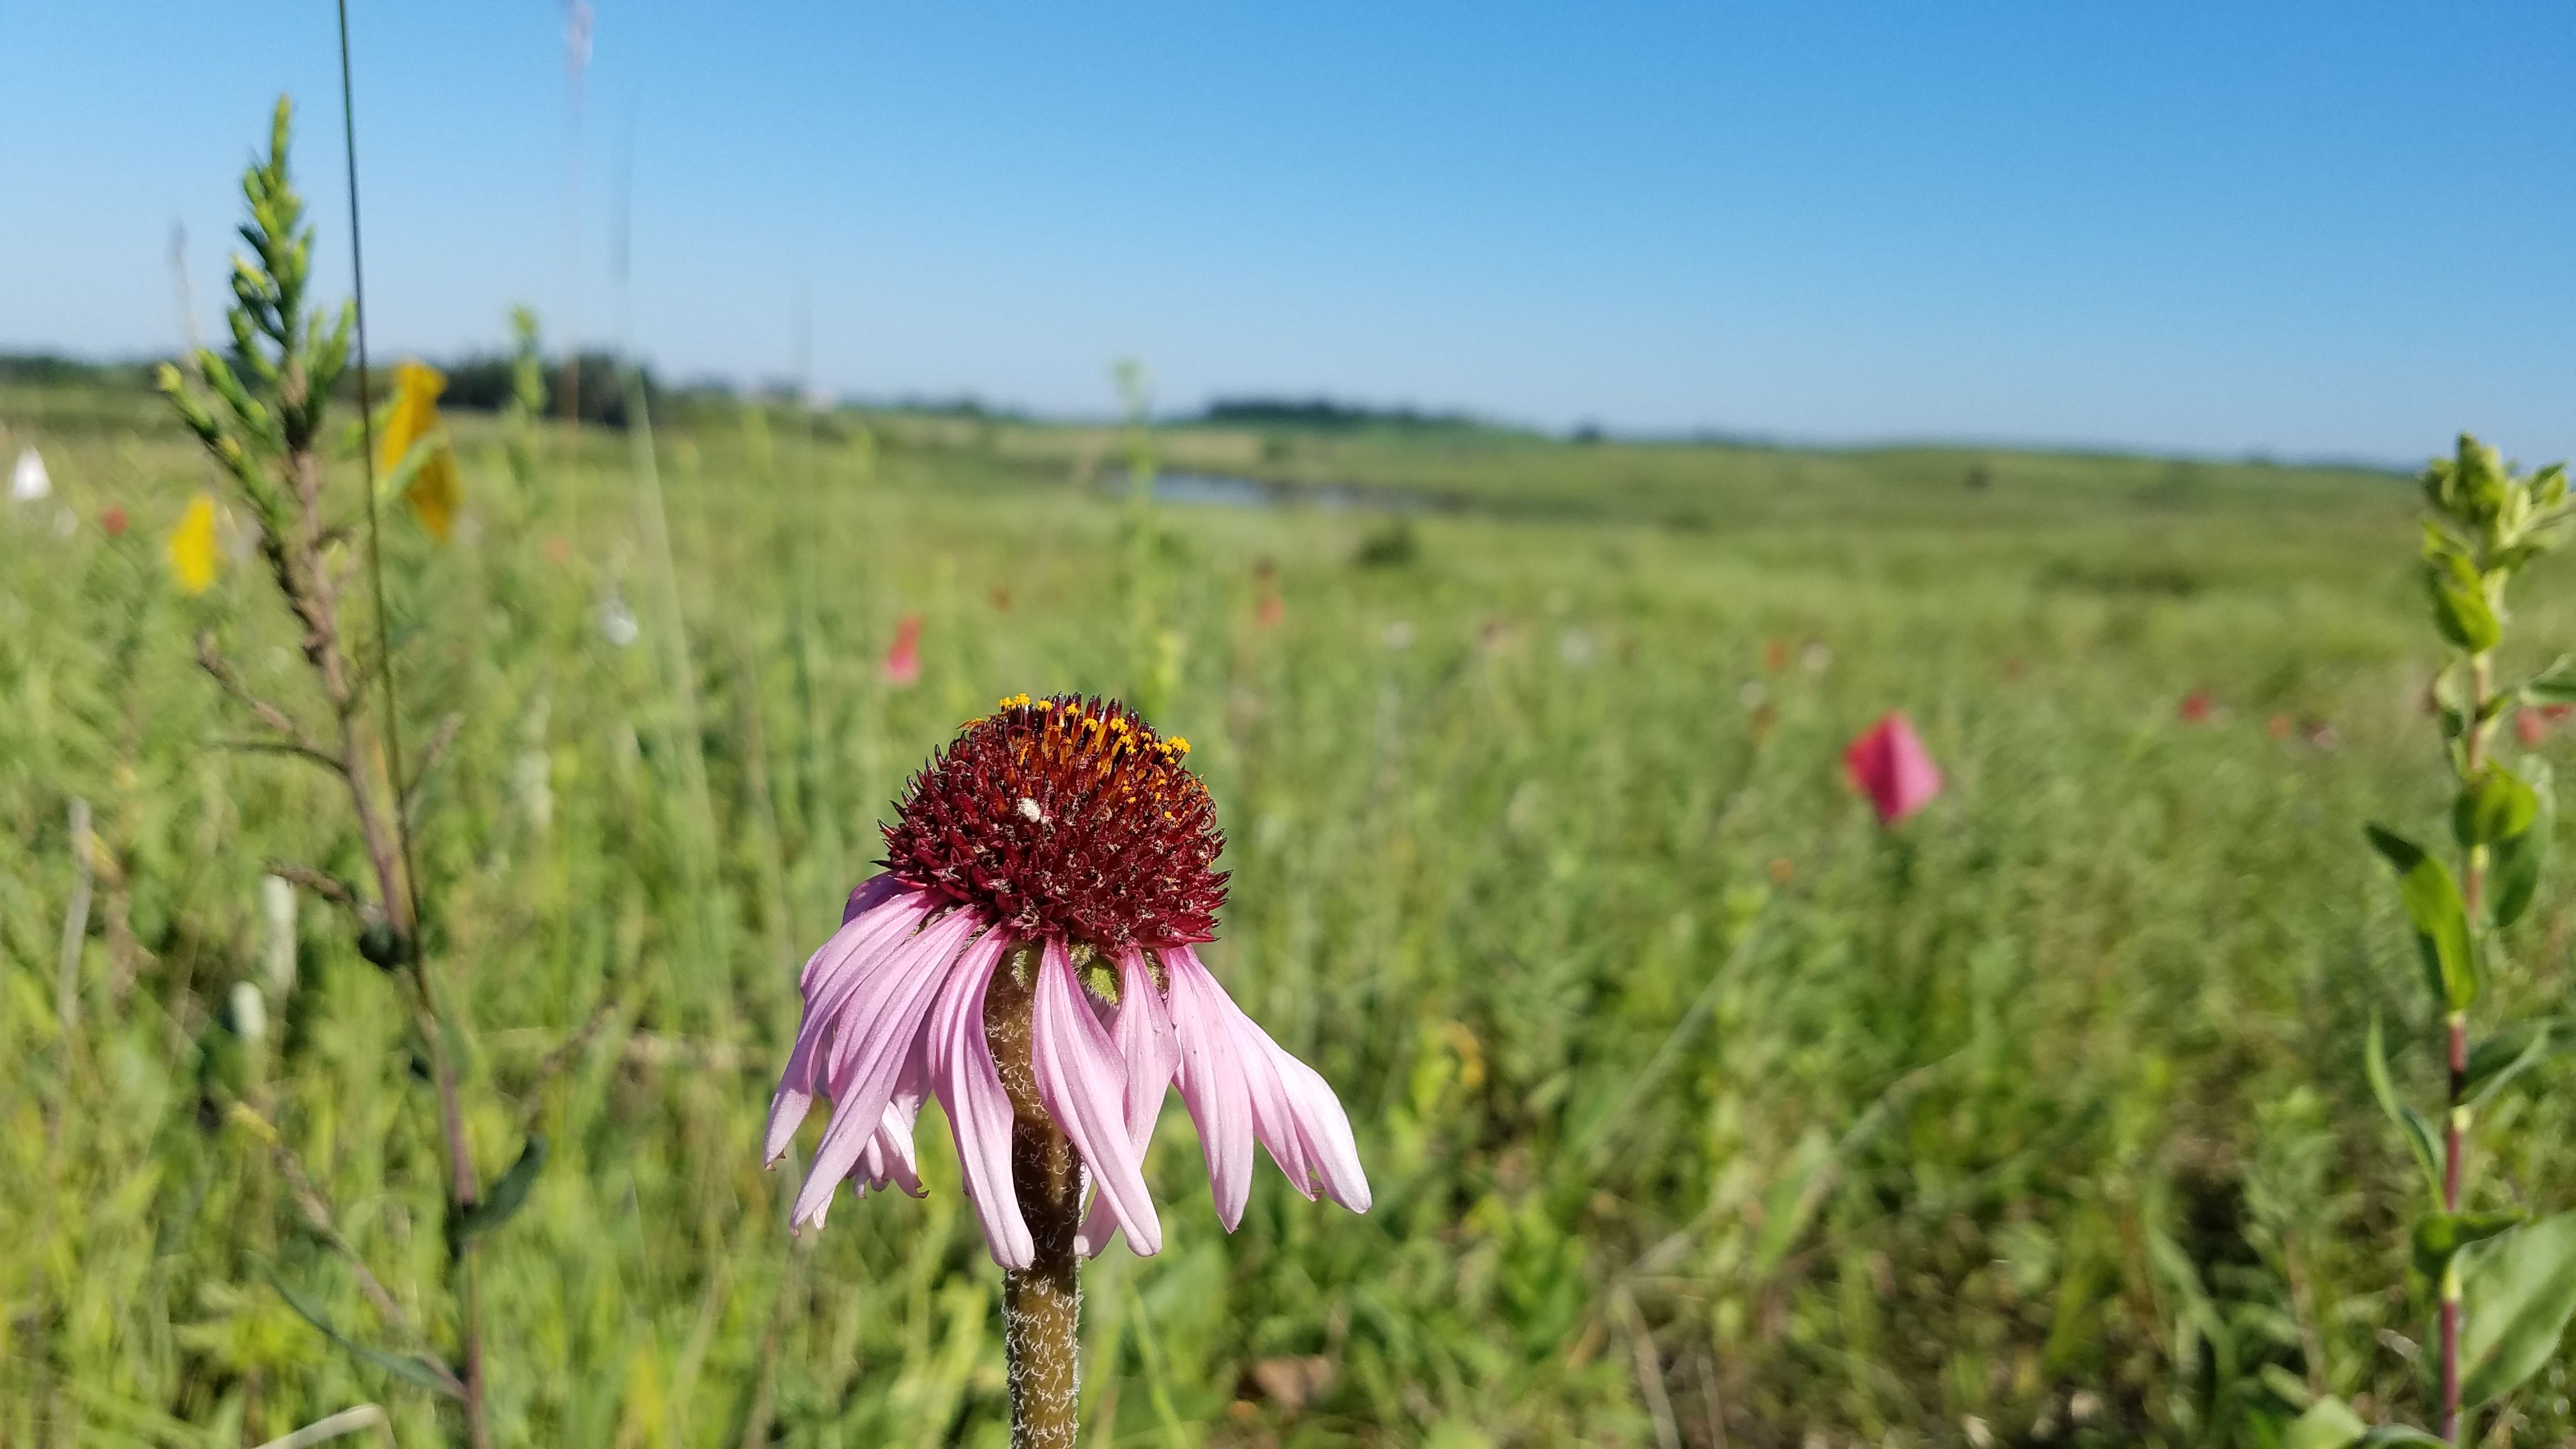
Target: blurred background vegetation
point(1700, 1110)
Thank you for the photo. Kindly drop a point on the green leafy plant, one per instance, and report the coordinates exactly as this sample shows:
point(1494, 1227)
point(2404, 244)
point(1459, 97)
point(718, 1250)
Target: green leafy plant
point(526, 405)
point(264, 424)
point(1158, 647)
point(2506, 1281)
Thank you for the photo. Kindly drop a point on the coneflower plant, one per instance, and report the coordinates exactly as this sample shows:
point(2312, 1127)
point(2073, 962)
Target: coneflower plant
point(1028, 957)
point(2502, 1278)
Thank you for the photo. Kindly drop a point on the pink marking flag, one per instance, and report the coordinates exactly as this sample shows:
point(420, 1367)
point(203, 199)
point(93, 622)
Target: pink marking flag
point(1889, 764)
point(903, 659)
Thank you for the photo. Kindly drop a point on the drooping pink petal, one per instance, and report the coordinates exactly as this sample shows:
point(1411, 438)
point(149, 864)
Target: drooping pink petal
point(1274, 1112)
point(1211, 1081)
point(858, 999)
point(1143, 1035)
point(856, 950)
point(970, 1091)
point(1889, 764)
point(832, 974)
point(880, 929)
point(861, 945)
point(1323, 1129)
point(1082, 1084)
point(868, 1053)
point(888, 1160)
point(1286, 1104)
point(875, 891)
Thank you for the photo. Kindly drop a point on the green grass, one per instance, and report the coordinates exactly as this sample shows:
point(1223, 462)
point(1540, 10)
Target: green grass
point(1690, 1097)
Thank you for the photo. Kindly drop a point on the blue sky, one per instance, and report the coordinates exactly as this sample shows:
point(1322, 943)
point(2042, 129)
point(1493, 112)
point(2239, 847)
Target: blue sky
point(2317, 229)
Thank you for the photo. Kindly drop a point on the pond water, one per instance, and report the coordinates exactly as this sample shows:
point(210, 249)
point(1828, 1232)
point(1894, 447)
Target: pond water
point(1228, 490)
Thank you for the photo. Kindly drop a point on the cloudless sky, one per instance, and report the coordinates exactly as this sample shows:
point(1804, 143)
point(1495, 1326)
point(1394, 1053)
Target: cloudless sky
point(2338, 229)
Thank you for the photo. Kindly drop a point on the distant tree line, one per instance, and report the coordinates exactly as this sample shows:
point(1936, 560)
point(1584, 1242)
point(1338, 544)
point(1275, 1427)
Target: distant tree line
point(480, 383)
point(1325, 414)
point(49, 369)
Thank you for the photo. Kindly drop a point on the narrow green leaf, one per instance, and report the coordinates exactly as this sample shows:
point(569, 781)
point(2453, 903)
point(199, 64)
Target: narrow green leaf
point(2441, 921)
point(411, 1369)
point(2515, 868)
point(2419, 1133)
point(2524, 549)
point(2329, 1423)
point(2398, 1434)
point(2286, 1386)
point(507, 1195)
point(2451, 699)
point(1792, 1200)
point(2517, 1291)
point(2495, 806)
point(2460, 608)
point(2549, 486)
point(2439, 1235)
point(2515, 1050)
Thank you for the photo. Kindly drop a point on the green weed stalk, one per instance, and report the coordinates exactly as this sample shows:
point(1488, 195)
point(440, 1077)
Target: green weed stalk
point(1157, 648)
point(2504, 1279)
point(260, 413)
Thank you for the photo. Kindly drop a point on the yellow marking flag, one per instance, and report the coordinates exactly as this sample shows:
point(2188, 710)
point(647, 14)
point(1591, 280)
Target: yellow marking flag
point(434, 492)
point(193, 555)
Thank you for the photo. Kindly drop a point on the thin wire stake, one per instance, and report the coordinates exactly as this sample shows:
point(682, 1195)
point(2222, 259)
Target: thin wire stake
point(367, 459)
point(462, 1193)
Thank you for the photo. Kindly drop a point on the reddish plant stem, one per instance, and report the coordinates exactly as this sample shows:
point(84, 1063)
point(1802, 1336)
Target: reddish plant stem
point(2456, 1057)
point(2453, 1152)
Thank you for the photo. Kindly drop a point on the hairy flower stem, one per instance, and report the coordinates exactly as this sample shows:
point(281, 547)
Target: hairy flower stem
point(1042, 1303)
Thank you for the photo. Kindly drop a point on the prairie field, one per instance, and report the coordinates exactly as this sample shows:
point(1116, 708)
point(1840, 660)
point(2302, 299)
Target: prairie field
point(1700, 1109)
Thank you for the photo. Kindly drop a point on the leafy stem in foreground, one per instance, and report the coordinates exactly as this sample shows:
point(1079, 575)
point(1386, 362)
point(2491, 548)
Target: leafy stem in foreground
point(260, 414)
point(2506, 1284)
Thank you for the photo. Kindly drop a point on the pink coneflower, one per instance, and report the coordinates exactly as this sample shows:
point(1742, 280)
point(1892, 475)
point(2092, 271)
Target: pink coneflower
point(1889, 764)
point(902, 667)
point(112, 518)
point(2197, 707)
point(1028, 959)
